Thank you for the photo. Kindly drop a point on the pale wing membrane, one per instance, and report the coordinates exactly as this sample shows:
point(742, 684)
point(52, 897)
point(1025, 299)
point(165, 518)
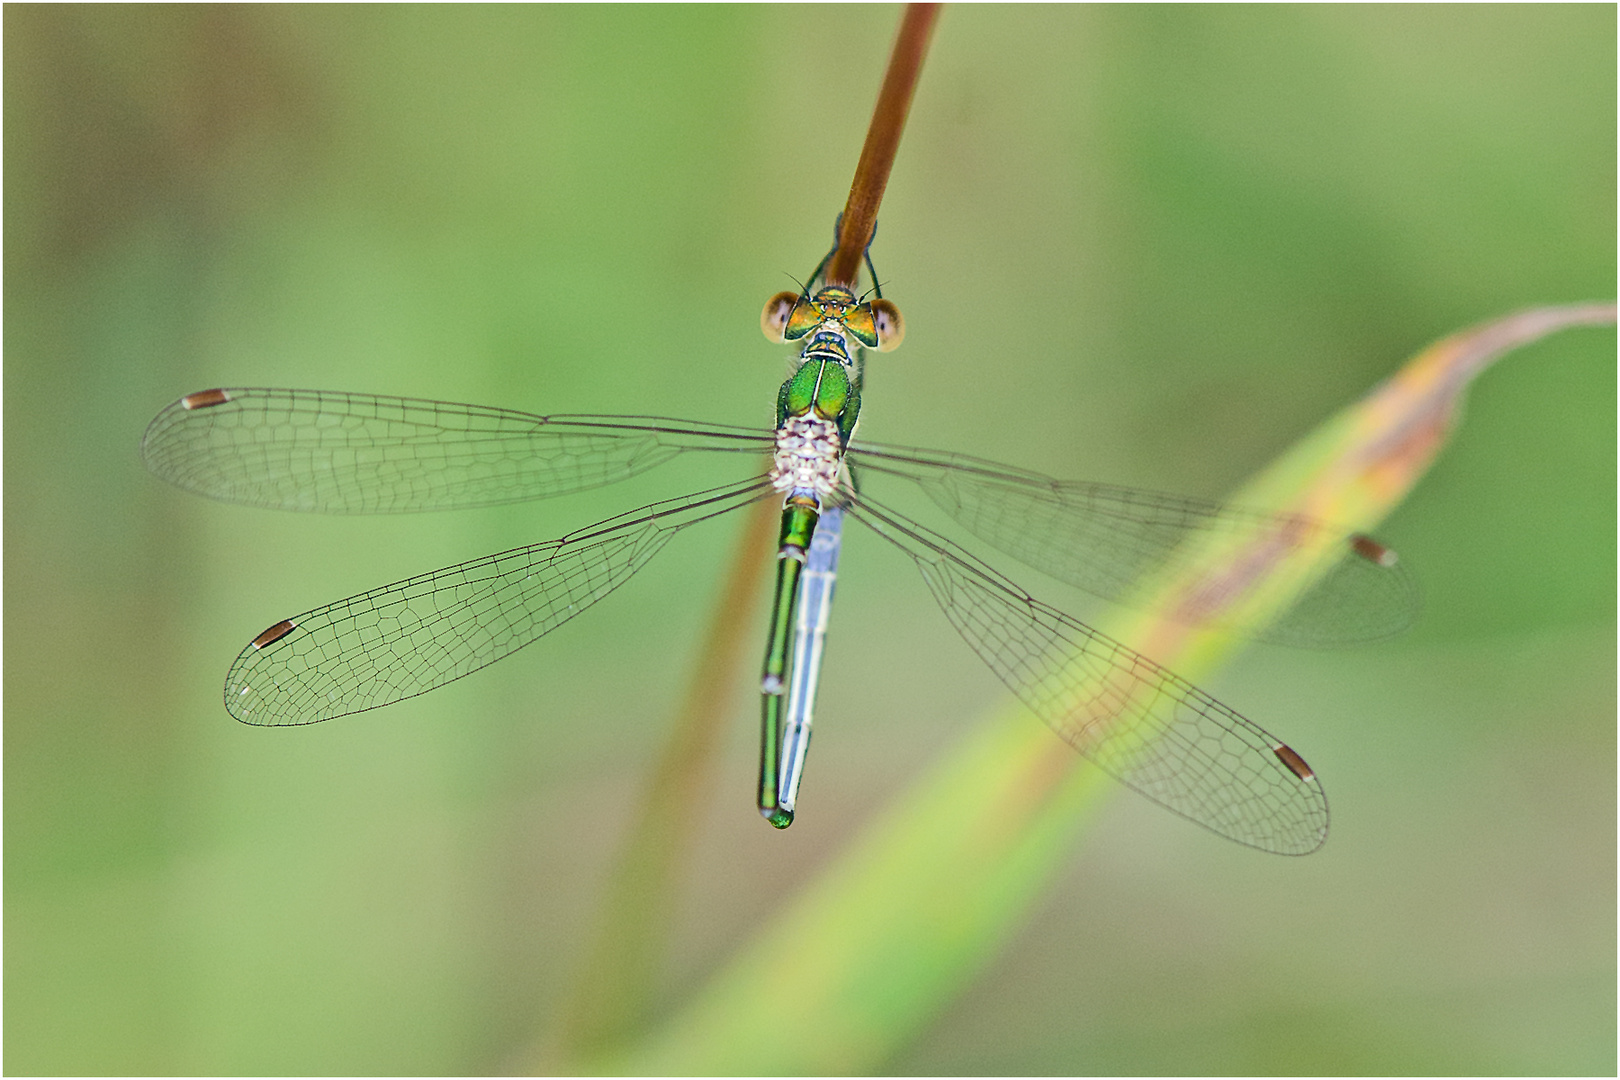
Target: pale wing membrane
point(1105, 539)
point(416, 635)
point(340, 453)
point(1145, 726)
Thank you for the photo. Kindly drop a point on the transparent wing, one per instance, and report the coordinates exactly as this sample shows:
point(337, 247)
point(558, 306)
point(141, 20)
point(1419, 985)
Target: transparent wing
point(1105, 539)
point(338, 453)
point(416, 635)
point(1143, 725)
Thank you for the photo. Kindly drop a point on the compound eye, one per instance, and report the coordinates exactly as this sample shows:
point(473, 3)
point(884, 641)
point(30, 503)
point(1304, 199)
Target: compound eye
point(774, 319)
point(891, 328)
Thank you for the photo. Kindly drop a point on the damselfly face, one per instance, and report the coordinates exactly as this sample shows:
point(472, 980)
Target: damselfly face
point(790, 316)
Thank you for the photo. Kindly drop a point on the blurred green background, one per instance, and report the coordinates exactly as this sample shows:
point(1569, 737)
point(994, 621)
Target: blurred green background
point(1147, 245)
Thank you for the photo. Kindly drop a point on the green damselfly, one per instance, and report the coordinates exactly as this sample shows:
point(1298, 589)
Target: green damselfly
point(345, 453)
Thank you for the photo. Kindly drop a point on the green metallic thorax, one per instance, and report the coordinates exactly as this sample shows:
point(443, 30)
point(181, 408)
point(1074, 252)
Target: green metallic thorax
point(826, 382)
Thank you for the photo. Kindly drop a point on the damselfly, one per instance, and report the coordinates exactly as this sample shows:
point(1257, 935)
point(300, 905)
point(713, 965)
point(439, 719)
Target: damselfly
point(346, 453)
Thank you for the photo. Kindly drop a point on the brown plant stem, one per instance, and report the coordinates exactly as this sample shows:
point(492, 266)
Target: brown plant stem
point(882, 141)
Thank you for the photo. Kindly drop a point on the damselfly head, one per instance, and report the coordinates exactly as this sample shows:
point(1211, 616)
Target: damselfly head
point(790, 316)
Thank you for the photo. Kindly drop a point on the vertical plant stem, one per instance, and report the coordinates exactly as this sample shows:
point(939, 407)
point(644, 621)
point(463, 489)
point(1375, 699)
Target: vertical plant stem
point(882, 141)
